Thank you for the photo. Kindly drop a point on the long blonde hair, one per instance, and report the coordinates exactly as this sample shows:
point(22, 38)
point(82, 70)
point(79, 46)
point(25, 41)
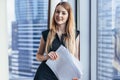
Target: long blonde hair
point(69, 29)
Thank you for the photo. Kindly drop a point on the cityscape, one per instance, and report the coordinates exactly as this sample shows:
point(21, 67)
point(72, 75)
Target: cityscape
point(31, 18)
point(108, 19)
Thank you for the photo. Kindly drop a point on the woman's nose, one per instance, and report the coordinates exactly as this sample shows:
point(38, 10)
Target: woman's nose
point(60, 14)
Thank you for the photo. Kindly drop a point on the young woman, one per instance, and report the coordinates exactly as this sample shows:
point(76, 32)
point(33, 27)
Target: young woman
point(61, 32)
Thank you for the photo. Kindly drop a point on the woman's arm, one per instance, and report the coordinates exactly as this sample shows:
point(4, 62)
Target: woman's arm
point(40, 54)
point(77, 54)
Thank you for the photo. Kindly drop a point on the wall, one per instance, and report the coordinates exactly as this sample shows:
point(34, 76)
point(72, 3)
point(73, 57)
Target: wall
point(3, 42)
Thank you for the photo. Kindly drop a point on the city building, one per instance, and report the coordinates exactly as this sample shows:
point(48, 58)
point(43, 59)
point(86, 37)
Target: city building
point(31, 20)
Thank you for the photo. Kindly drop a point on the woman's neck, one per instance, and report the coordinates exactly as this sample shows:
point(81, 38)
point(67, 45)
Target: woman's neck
point(61, 28)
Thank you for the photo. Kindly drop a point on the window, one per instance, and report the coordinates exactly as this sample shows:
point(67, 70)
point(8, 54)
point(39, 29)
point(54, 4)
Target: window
point(31, 18)
point(107, 30)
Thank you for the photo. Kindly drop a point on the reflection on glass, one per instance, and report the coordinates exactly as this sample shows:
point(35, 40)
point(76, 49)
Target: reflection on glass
point(107, 12)
point(116, 60)
point(31, 18)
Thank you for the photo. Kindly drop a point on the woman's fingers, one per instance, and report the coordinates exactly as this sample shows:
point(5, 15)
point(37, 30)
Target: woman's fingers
point(75, 78)
point(53, 55)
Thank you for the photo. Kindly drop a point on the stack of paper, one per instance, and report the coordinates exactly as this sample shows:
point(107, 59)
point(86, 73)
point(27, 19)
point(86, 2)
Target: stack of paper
point(66, 67)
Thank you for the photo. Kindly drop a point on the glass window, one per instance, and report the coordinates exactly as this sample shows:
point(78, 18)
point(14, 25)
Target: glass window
point(108, 39)
point(30, 19)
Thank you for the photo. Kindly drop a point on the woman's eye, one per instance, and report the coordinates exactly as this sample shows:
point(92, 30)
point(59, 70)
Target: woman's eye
point(63, 13)
point(57, 11)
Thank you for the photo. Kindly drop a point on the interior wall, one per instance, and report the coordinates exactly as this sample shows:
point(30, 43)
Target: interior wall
point(3, 42)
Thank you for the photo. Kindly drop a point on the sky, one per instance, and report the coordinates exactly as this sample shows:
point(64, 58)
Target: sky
point(10, 14)
point(10, 17)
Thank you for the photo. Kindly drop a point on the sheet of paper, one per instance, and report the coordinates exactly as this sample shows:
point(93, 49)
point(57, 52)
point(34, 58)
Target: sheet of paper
point(66, 66)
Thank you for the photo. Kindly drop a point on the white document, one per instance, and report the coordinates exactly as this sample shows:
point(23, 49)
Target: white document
point(66, 67)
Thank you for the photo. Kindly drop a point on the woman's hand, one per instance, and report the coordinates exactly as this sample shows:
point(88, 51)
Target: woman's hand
point(53, 55)
point(75, 78)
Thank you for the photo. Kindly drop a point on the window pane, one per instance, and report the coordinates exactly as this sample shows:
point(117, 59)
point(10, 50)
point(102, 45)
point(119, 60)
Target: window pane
point(108, 24)
point(31, 18)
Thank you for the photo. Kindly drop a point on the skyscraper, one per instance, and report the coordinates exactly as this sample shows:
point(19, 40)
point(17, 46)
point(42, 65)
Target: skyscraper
point(106, 40)
point(31, 20)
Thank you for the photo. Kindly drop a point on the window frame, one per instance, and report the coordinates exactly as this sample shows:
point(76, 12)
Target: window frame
point(84, 23)
point(93, 39)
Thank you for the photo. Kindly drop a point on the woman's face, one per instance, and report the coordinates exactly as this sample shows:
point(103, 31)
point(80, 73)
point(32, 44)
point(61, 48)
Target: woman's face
point(61, 15)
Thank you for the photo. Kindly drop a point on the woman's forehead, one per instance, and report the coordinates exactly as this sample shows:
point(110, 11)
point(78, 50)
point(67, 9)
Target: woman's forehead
point(61, 8)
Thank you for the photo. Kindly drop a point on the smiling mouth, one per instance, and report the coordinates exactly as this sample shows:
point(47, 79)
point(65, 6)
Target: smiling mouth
point(59, 19)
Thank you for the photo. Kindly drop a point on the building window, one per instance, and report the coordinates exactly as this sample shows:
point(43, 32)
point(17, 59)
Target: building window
point(31, 18)
point(108, 25)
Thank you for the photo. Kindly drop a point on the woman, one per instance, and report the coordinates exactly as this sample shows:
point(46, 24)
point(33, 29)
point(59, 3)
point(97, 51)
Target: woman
point(61, 32)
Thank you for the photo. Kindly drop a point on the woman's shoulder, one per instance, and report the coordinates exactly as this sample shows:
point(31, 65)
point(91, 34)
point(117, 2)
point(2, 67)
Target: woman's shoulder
point(45, 31)
point(77, 33)
point(45, 34)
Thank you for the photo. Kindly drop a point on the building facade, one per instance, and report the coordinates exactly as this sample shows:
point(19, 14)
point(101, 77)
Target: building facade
point(31, 20)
